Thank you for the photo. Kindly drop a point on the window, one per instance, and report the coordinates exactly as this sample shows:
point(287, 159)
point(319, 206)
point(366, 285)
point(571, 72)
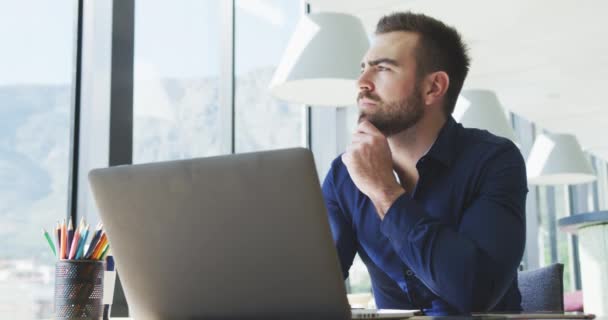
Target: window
point(559, 201)
point(261, 121)
point(177, 113)
point(601, 185)
point(35, 95)
point(553, 205)
point(563, 242)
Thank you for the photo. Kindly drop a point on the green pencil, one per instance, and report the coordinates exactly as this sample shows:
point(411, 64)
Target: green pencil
point(48, 239)
point(104, 252)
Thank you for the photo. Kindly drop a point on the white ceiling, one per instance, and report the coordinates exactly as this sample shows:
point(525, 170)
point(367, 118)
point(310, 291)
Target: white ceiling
point(545, 59)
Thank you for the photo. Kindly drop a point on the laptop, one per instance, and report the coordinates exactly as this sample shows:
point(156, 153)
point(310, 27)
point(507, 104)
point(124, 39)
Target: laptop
point(229, 237)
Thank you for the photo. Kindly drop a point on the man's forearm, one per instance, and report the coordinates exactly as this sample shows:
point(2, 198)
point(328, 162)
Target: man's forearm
point(451, 263)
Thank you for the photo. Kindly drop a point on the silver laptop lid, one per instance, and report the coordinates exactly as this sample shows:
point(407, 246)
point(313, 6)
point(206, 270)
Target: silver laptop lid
point(222, 237)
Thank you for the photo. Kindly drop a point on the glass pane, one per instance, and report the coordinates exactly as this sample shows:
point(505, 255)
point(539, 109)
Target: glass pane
point(563, 242)
point(358, 277)
point(544, 227)
point(35, 91)
point(263, 122)
point(602, 184)
point(176, 88)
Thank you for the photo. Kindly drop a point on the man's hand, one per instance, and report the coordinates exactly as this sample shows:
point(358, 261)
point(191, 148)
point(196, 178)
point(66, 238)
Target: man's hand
point(370, 165)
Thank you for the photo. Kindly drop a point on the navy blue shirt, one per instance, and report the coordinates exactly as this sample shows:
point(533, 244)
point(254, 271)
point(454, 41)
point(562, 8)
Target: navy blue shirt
point(454, 243)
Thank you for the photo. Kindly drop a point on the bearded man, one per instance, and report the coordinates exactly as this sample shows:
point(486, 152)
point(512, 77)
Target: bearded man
point(435, 211)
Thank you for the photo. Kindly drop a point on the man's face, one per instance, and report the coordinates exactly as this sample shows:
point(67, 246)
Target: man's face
point(389, 94)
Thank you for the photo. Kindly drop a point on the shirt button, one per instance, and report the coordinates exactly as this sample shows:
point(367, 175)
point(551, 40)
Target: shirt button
point(409, 273)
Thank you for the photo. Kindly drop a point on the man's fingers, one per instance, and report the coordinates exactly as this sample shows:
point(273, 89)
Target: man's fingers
point(359, 137)
point(366, 138)
point(353, 148)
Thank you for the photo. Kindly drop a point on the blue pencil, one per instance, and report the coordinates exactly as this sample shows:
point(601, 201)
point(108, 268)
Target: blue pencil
point(81, 244)
point(93, 241)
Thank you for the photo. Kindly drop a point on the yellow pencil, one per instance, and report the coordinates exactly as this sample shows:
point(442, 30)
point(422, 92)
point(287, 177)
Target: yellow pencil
point(102, 249)
point(105, 252)
point(100, 244)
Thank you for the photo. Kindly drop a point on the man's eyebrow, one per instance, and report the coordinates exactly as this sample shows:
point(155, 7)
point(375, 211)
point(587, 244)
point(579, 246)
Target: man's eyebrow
point(382, 60)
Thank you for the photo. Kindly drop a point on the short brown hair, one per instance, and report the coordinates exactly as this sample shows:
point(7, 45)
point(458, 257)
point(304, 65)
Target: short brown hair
point(440, 49)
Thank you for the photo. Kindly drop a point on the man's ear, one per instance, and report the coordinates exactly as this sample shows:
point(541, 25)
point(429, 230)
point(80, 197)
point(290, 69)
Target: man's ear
point(436, 86)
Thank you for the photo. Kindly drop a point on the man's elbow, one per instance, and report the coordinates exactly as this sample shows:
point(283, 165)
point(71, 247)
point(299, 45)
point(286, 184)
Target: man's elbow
point(489, 292)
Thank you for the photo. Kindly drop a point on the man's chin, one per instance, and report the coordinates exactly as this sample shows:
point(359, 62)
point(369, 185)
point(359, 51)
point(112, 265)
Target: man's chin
point(363, 116)
point(386, 129)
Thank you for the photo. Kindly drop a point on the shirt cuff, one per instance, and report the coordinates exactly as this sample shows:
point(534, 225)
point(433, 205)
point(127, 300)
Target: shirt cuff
point(403, 216)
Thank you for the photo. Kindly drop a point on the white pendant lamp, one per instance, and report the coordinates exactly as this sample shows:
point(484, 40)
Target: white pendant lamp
point(481, 109)
point(322, 61)
point(558, 159)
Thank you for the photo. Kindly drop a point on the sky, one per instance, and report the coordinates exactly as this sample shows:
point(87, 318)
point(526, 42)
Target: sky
point(178, 39)
point(36, 38)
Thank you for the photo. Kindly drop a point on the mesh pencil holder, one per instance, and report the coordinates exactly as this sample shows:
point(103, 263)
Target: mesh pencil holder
point(79, 289)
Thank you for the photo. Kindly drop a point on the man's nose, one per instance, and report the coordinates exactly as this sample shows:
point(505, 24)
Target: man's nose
point(364, 82)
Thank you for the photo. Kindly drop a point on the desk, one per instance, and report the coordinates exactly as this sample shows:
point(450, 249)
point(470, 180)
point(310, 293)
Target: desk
point(592, 231)
point(476, 317)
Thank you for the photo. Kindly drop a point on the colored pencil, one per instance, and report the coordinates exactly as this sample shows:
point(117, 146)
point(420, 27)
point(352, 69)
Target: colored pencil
point(94, 241)
point(80, 249)
point(75, 242)
point(102, 245)
point(70, 238)
point(105, 252)
point(58, 237)
point(98, 246)
point(64, 240)
point(50, 241)
point(71, 241)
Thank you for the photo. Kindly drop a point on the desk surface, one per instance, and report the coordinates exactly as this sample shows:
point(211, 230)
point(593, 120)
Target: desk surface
point(448, 318)
point(543, 316)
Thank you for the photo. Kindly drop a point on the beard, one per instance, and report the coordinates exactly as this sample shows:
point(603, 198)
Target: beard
point(391, 118)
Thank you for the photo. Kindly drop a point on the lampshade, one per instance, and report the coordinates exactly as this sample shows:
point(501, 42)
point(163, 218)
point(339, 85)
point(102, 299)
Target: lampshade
point(481, 109)
point(558, 159)
point(322, 61)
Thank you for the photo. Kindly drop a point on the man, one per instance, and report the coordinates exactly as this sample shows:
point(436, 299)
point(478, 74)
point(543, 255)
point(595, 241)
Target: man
point(435, 211)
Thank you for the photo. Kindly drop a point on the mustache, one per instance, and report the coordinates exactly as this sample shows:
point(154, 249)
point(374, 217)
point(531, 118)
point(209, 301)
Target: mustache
point(368, 95)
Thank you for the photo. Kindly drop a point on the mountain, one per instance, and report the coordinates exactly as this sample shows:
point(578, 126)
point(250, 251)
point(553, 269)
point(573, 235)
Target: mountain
point(174, 119)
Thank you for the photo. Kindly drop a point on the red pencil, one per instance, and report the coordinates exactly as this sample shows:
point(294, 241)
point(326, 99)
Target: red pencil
point(75, 241)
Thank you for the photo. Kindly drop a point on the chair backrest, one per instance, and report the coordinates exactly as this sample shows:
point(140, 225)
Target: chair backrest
point(542, 289)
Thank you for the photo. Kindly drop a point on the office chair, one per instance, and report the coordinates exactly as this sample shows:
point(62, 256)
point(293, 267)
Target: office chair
point(542, 289)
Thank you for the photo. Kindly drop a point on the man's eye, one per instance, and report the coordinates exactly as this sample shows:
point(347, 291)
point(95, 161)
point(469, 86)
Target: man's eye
point(381, 68)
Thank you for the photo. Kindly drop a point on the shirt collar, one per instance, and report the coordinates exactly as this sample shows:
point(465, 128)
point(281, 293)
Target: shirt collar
point(445, 146)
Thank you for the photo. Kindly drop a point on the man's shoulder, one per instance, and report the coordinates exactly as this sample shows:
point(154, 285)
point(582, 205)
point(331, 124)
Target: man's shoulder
point(337, 163)
point(492, 153)
point(486, 143)
point(337, 169)
point(338, 173)
point(484, 137)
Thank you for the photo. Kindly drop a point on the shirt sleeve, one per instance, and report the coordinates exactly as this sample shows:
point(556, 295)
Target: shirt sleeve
point(341, 226)
point(470, 265)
